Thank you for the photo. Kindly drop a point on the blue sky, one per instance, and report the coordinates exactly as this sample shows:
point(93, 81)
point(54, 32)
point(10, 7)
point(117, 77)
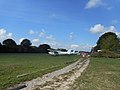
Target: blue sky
point(75, 24)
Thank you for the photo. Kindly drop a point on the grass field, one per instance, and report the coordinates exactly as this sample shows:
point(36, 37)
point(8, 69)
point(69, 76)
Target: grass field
point(12, 65)
point(102, 74)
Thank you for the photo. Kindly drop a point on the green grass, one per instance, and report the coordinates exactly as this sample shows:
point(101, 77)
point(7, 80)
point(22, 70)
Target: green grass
point(12, 65)
point(102, 74)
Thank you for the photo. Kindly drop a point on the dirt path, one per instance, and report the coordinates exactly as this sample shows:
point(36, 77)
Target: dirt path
point(58, 80)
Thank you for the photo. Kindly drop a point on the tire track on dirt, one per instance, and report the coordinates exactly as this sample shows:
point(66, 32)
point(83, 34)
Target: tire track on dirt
point(61, 79)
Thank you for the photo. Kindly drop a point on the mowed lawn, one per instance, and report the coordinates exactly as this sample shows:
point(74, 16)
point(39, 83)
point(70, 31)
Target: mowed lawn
point(102, 74)
point(12, 65)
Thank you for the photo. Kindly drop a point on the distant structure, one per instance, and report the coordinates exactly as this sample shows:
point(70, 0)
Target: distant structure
point(61, 52)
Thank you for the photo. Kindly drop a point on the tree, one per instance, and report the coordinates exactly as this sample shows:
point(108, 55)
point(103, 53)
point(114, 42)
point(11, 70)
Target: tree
point(62, 49)
point(0, 45)
point(9, 46)
point(108, 42)
point(2, 49)
point(26, 43)
point(9, 43)
point(44, 48)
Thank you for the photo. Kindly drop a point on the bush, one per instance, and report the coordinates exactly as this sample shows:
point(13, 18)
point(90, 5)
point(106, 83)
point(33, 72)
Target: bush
point(106, 54)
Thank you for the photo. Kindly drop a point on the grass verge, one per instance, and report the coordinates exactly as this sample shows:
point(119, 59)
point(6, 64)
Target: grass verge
point(102, 74)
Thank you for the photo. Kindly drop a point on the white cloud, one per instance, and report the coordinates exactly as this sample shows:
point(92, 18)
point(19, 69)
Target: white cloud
point(36, 42)
point(2, 31)
point(53, 15)
point(71, 36)
point(31, 32)
point(10, 34)
point(74, 46)
point(100, 29)
point(50, 38)
point(42, 34)
point(56, 44)
point(98, 3)
point(80, 47)
point(21, 39)
point(45, 38)
point(4, 35)
point(93, 3)
point(53, 44)
point(114, 22)
point(110, 8)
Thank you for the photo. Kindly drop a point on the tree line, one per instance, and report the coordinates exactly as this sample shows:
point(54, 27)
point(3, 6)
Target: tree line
point(10, 46)
point(108, 45)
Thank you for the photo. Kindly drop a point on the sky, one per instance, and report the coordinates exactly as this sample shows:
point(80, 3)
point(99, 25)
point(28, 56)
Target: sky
point(70, 24)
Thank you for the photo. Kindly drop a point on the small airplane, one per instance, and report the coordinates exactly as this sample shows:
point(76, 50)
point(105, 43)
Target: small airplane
point(56, 52)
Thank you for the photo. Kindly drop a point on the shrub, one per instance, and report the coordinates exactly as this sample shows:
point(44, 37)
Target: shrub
point(106, 54)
